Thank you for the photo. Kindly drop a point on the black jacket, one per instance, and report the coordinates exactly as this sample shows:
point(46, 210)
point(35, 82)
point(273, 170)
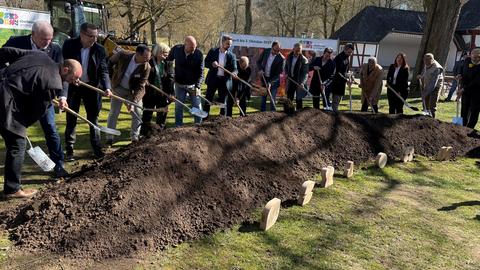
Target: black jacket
point(240, 88)
point(326, 72)
point(27, 87)
point(97, 63)
point(342, 65)
point(401, 84)
point(471, 78)
point(230, 64)
point(277, 67)
point(54, 51)
point(166, 80)
point(188, 69)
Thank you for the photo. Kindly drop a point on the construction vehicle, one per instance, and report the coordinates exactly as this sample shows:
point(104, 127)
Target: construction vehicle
point(68, 15)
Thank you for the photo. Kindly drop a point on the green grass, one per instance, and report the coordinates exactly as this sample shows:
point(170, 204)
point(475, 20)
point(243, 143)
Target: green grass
point(381, 219)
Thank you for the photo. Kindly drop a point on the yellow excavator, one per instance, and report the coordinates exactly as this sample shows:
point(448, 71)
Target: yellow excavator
point(67, 16)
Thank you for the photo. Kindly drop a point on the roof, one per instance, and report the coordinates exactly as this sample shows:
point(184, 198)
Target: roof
point(372, 24)
point(469, 16)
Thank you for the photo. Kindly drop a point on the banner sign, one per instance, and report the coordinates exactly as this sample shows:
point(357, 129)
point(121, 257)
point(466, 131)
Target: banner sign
point(21, 19)
point(309, 44)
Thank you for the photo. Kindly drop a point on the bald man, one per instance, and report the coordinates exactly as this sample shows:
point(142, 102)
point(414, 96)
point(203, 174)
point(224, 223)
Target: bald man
point(27, 87)
point(41, 40)
point(188, 75)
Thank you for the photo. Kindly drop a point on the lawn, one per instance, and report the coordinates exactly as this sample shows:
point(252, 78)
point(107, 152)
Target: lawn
point(420, 215)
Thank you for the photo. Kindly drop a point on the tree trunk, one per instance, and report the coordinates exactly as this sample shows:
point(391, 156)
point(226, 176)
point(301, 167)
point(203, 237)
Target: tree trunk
point(248, 17)
point(442, 17)
point(153, 30)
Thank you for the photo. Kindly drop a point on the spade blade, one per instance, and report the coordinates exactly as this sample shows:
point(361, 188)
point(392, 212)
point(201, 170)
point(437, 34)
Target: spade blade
point(198, 112)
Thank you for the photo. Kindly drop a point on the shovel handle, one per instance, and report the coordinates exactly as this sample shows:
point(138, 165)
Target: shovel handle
point(169, 96)
point(76, 114)
point(112, 96)
point(269, 93)
point(231, 74)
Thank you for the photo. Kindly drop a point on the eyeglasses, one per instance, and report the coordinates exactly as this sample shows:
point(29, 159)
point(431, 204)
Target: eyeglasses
point(89, 36)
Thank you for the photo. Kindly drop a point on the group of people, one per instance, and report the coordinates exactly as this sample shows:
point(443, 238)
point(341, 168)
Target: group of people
point(40, 71)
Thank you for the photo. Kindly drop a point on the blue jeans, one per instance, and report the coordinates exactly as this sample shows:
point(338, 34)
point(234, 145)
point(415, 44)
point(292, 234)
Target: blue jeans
point(274, 87)
point(452, 89)
point(15, 155)
point(52, 138)
point(181, 94)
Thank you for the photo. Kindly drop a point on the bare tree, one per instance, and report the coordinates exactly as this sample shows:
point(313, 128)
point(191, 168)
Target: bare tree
point(442, 18)
point(248, 17)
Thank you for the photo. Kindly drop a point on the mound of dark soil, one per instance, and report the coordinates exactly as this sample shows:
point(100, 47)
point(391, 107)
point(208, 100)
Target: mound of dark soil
point(184, 183)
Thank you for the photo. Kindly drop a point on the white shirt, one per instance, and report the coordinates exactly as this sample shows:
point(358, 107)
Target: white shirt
point(294, 62)
point(221, 62)
point(268, 66)
point(126, 76)
point(84, 55)
point(397, 69)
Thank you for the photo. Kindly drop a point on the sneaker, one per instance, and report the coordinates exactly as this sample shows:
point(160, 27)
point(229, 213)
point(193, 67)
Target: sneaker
point(22, 194)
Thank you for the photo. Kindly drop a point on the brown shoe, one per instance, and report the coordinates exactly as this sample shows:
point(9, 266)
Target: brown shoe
point(22, 194)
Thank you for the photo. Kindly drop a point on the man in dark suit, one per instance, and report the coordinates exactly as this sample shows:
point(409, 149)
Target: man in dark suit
point(270, 65)
point(27, 87)
point(217, 78)
point(129, 78)
point(93, 58)
point(41, 40)
point(342, 65)
point(326, 67)
point(296, 68)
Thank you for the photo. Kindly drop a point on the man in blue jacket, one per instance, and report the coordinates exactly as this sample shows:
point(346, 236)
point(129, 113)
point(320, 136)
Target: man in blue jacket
point(188, 75)
point(217, 78)
point(41, 40)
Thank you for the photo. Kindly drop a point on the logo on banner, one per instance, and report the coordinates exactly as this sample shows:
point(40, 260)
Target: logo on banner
point(306, 44)
point(9, 18)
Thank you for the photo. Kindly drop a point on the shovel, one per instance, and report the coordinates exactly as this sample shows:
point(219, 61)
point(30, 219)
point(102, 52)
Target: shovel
point(458, 120)
point(117, 97)
point(135, 115)
point(193, 111)
point(327, 108)
point(42, 160)
point(425, 111)
point(261, 90)
point(212, 103)
point(236, 103)
point(269, 92)
point(350, 89)
point(403, 100)
point(349, 74)
point(106, 130)
point(302, 87)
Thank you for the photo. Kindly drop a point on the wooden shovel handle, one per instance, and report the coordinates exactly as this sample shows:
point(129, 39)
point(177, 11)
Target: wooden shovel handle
point(74, 113)
point(113, 96)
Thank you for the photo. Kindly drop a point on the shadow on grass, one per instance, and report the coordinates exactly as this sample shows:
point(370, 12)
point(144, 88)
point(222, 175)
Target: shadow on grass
point(460, 204)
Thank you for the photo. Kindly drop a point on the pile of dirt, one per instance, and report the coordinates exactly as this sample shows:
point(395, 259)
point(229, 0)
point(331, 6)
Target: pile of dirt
point(186, 182)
